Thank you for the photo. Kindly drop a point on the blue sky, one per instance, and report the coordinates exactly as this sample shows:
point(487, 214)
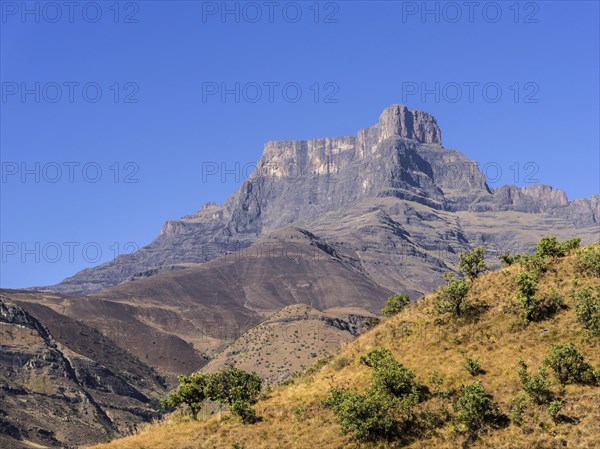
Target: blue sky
point(125, 104)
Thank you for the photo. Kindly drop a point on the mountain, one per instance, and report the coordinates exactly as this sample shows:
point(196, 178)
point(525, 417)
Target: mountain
point(435, 347)
point(64, 384)
point(392, 194)
point(174, 320)
point(323, 231)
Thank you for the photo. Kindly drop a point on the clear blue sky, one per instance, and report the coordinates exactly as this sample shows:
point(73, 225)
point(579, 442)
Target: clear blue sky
point(168, 56)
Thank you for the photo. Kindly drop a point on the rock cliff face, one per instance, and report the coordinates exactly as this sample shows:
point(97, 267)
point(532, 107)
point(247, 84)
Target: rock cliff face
point(303, 182)
point(68, 388)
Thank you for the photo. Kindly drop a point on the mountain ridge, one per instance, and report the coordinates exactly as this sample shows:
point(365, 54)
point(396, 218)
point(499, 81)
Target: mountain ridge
point(401, 156)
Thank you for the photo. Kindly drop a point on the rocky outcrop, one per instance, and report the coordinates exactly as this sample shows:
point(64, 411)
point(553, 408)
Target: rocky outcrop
point(53, 395)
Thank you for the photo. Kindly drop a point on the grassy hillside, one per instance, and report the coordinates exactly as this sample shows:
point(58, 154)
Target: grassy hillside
point(294, 416)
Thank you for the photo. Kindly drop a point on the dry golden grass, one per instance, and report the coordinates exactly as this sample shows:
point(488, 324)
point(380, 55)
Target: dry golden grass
point(293, 417)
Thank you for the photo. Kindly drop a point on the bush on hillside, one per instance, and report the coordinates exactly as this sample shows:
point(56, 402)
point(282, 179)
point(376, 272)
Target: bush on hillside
point(472, 264)
point(387, 405)
point(587, 309)
point(509, 258)
point(474, 409)
point(370, 416)
point(190, 392)
point(536, 386)
point(231, 386)
point(589, 260)
point(236, 388)
point(526, 288)
point(389, 374)
point(552, 247)
point(472, 366)
point(536, 308)
point(569, 365)
point(452, 297)
point(554, 410)
point(395, 304)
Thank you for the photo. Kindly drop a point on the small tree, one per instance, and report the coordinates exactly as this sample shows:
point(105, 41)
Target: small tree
point(370, 416)
point(589, 260)
point(569, 365)
point(549, 246)
point(552, 247)
point(527, 287)
point(389, 374)
point(231, 386)
point(472, 264)
point(509, 258)
point(395, 304)
point(472, 366)
point(587, 308)
point(387, 404)
point(474, 409)
point(451, 298)
point(189, 392)
point(236, 388)
point(536, 386)
point(554, 410)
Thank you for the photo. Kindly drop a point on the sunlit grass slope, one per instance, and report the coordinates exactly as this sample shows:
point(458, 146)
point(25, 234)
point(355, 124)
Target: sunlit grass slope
point(293, 416)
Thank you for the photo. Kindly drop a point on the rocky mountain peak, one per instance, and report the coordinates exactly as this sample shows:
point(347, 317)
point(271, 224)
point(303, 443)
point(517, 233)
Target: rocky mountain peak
point(398, 160)
point(398, 120)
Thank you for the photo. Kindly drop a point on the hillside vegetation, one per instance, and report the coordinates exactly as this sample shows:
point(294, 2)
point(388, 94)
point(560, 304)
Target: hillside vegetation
point(502, 359)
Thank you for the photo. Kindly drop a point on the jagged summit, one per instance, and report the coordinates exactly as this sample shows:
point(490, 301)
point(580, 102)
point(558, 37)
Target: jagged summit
point(398, 120)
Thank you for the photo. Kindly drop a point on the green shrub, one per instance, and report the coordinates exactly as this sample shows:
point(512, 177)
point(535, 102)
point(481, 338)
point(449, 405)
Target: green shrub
point(536, 386)
point(534, 308)
point(395, 304)
point(437, 381)
point(244, 410)
point(526, 288)
point(472, 366)
point(551, 247)
point(509, 258)
point(554, 410)
point(589, 260)
point(386, 406)
point(191, 392)
point(517, 405)
point(452, 298)
point(474, 409)
point(569, 365)
point(472, 264)
point(571, 244)
point(535, 264)
point(389, 375)
point(370, 416)
point(587, 308)
point(231, 385)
